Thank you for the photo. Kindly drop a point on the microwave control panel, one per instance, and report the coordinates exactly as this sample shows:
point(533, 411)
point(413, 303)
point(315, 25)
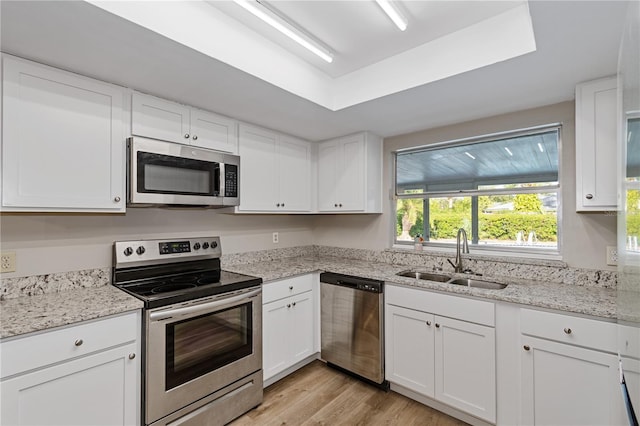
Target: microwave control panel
point(230, 180)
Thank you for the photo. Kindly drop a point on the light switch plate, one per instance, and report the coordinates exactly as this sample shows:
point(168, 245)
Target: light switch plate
point(276, 238)
point(8, 261)
point(612, 255)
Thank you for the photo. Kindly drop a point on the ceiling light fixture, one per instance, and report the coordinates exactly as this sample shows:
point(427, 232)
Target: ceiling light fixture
point(508, 151)
point(280, 23)
point(540, 147)
point(393, 13)
point(470, 156)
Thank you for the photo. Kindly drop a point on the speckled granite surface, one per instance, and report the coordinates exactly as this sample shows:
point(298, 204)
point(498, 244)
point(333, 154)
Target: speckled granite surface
point(36, 303)
point(11, 288)
point(21, 315)
point(594, 301)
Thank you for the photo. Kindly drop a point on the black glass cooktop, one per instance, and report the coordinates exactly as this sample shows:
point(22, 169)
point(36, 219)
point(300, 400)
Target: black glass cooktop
point(170, 284)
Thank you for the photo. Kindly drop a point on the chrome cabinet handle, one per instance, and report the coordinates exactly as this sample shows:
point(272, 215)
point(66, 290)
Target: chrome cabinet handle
point(186, 135)
point(526, 347)
point(340, 205)
point(335, 205)
point(282, 204)
point(294, 303)
point(288, 305)
point(428, 322)
point(195, 137)
point(116, 199)
point(589, 196)
point(437, 325)
point(132, 356)
point(290, 287)
point(278, 205)
point(78, 342)
point(567, 330)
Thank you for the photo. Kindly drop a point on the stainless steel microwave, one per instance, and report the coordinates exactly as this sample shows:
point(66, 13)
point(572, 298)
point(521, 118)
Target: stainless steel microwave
point(169, 174)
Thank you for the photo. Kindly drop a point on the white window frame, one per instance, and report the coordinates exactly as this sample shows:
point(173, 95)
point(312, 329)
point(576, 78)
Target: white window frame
point(519, 251)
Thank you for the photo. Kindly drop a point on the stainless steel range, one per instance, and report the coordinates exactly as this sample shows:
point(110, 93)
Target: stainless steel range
point(202, 331)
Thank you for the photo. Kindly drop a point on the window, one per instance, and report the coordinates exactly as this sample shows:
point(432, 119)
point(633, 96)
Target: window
point(502, 189)
point(631, 186)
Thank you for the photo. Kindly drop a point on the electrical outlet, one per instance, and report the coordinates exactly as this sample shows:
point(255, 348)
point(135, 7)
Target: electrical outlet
point(276, 238)
point(8, 261)
point(612, 255)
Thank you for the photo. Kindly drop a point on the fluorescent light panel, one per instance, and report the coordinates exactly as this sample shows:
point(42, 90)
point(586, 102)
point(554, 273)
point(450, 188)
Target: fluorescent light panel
point(469, 155)
point(508, 151)
point(393, 13)
point(279, 23)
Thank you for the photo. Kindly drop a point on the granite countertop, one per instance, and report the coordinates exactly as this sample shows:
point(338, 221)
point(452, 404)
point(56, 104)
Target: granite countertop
point(41, 310)
point(28, 314)
point(597, 302)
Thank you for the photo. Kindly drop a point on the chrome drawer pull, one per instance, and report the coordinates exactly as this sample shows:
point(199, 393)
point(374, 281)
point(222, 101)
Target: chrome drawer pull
point(567, 330)
point(526, 347)
point(78, 342)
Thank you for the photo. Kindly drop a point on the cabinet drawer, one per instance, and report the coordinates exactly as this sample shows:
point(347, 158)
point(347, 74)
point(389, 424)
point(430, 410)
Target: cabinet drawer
point(568, 329)
point(24, 354)
point(287, 287)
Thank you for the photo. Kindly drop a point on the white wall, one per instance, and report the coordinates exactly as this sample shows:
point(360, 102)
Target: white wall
point(584, 236)
point(47, 243)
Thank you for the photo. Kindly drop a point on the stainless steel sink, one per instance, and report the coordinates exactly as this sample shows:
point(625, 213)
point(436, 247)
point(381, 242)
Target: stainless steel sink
point(421, 275)
point(472, 282)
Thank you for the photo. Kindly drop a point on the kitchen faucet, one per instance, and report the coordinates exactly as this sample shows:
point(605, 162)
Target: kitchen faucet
point(457, 267)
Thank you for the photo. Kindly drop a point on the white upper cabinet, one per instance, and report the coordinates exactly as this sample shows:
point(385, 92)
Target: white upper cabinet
point(170, 121)
point(596, 106)
point(350, 174)
point(275, 172)
point(63, 142)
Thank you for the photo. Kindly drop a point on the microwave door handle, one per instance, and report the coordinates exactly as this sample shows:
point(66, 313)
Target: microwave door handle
point(203, 307)
point(221, 179)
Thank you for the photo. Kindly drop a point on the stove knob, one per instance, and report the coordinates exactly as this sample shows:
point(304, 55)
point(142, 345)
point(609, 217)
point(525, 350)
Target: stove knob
point(196, 246)
point(205, 246)
point(140, 250)
point(128, 251)
point(214, 244)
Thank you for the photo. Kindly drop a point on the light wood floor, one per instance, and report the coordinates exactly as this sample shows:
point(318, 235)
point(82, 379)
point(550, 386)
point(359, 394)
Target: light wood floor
point(320, 395)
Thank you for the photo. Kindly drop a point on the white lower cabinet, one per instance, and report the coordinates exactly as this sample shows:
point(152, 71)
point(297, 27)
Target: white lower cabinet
point(87, 374)
point(449, 360)
point(569, 371)
point(568, 385)
point(289, 323)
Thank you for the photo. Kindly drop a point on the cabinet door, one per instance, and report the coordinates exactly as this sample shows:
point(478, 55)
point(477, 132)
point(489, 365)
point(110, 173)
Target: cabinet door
point(301, 327)
point(596, 187)
point(275, 337)
point(351, 174)
point(567, 385)
point(409, 351)
point(465, 367)
point(328, 157)
point(294, 167)
point(157, 118)
point(258, 171)
point(99, 389)
point(213, 131)
point(62, 141)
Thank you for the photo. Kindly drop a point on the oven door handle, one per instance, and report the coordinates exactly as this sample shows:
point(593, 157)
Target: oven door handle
point(203, 307)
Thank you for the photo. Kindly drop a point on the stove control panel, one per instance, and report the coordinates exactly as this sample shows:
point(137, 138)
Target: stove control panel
point(138, 252)
point(174, 247)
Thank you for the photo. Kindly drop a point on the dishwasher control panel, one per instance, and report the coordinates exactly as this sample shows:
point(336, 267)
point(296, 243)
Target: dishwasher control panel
point(357, 283)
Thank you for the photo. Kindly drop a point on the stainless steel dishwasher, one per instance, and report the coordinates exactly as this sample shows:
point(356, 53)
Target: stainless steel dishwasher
point(352, 325)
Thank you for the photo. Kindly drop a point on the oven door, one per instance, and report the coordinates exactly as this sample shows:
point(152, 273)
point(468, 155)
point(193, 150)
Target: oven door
point(164, 173)
point(194, 349)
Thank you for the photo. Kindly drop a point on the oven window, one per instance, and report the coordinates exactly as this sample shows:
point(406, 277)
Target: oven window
point(199, 345)
point(174, 175)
